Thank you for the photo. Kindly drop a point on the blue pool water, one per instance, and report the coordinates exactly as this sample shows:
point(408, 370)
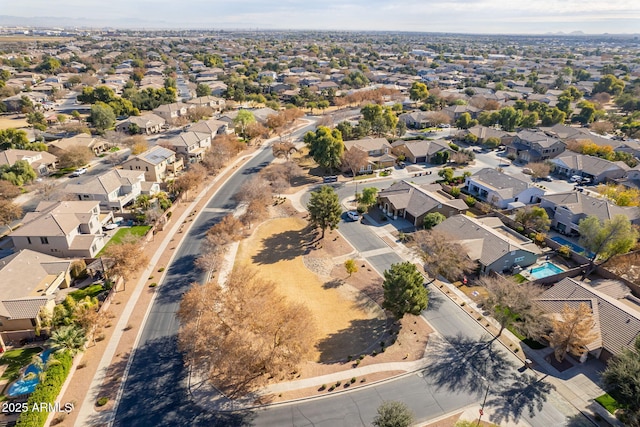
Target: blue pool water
point(575, 248)
point(26, 386)
point(545, 270)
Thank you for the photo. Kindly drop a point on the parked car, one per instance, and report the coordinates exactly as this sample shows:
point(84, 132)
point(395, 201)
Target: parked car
point(78, 172)
point(585, 181)
point(546, 178)
point(353, 215)
point(575, 178)
point(111, 226)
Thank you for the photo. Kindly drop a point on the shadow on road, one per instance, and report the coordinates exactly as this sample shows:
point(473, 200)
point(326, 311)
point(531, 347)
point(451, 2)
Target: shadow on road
point(156, 393)
point(522, 392)
point(460, 361)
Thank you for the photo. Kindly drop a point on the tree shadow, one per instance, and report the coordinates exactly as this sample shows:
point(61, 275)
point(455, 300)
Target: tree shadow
point(462, 362)
point(333, 284)
point(519, 393)
point(157, 382)
point(436, 298)
point(287, 245)
point(375, 291)
point(362, 336)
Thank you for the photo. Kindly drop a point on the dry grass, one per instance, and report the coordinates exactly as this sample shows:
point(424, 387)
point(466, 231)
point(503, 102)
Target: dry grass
point(13, 121)
point(30, 39)
point(277, 248)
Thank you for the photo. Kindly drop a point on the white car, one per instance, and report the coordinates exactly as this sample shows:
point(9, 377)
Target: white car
point(78, 172)
point(575, 178)
point(353, 215)
point(111, 226)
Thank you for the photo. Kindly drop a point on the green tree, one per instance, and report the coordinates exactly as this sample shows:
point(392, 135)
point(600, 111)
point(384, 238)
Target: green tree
point(325, 146)
point(324, 209)
point(464, 121)
point(19, 173)
point(49, 65)
point(37, 120)
point(530, 120)
point(446, 174)
point(242, 122)
point(609, 238)
point(510, 118)
point(203, 90)
point(418, 91)
point(533, 217)
point(368, 197)
point(622, 380)
point(609, 84)
point(432, 219)
point(553, 116)
point(393, 414)
point(70, 337)
point(351, 266)
point(404, 290)
point(102, 116)
point(17, 139)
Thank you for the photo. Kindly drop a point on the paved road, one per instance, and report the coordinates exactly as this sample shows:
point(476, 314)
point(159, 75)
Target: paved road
point(156, 393)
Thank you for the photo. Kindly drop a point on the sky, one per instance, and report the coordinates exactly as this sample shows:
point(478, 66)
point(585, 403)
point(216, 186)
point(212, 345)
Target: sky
point(459, 16)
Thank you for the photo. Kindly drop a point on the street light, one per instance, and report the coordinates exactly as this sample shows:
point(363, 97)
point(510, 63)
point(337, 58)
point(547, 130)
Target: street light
point(484, 401)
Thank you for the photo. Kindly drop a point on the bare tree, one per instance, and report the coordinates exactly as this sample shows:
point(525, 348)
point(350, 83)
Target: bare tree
point(283, 149)
point(355, 159)
point(256, 210)
point(74, 157)
point(539, 169)
point(237, 355)
point(254, 189)
point(9, 212)
point(442, 256)
point(572, 331)
point(48, 190)
point(190, 179)
point(126, 257)
point(199, 113)
point(8, 190)
point(514, 305)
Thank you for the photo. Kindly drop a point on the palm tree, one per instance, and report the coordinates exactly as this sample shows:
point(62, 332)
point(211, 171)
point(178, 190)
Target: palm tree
point(42, 366)
point(71, 338)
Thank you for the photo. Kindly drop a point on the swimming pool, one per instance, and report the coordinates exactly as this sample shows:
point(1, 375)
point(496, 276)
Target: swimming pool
point(575, 248)
point(27, 383)
point(545, 270)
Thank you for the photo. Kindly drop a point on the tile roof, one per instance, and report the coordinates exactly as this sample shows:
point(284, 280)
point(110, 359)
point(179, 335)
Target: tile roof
point(156, 155)
point(486, 240)
point(417, 200)
point(422, 148)
point(581, 203)
point(27, 308)
point(368, 144)
point(589, 164)
point(106, 183)
point(14, 283)
point(56, 219)
point(507, 186)
point(619, 323)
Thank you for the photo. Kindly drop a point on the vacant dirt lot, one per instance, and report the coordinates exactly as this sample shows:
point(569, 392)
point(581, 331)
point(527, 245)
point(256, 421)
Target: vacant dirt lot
point(345, 324)
point(13, 121)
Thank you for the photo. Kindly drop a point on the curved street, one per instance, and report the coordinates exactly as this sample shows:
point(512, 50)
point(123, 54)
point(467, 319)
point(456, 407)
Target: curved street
point(156, 393)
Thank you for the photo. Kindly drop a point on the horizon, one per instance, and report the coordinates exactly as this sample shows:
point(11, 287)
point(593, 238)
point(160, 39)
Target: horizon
point(491, 17)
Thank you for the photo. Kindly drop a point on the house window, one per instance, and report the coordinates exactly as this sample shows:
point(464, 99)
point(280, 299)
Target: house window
point(44, 240)
point(147, 168)
point(29, 240)
point(518, 259)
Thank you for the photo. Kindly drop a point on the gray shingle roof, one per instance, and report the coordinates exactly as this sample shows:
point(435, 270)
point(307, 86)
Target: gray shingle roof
point(27, 308)
point(619, 324)
point(506, 185)
point(580, 203)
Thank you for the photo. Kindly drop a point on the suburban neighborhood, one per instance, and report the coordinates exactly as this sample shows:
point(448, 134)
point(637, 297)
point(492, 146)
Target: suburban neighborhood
point(279, 228)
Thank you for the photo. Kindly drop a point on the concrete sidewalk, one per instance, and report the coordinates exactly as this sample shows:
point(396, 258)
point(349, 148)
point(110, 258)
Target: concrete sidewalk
point(86, 410)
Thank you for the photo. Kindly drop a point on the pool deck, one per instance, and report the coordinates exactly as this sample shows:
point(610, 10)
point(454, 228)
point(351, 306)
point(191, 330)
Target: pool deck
point(540, 263)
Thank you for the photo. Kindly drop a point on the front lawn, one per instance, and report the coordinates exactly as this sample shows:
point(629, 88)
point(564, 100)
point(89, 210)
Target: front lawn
point(16, 360)
point(136, 231)
point(90, 291)
point(608, 403)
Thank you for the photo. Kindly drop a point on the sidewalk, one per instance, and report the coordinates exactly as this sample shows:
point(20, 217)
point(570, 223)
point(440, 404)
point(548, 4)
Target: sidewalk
point(86, 413)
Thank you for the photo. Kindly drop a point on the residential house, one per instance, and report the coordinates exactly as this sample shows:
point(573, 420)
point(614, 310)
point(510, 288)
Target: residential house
point(566, 210)
point(41, 161)
point(617, 322)
point(412, 202)
point(420, 150)
point(535, 146)
point(65, 229)
point(378, 151)
point(496, 247)
point(484, 132)
point(28, 283)
point(421, 119)
point(213, 102)
point(212, 127)
point(157, 163)
point(500, 189)
point(597, 169)
point(95, 144)
point(455, 111)
point(147, 124)
point(114, 189)
point(171, 112)
point(190, 145)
